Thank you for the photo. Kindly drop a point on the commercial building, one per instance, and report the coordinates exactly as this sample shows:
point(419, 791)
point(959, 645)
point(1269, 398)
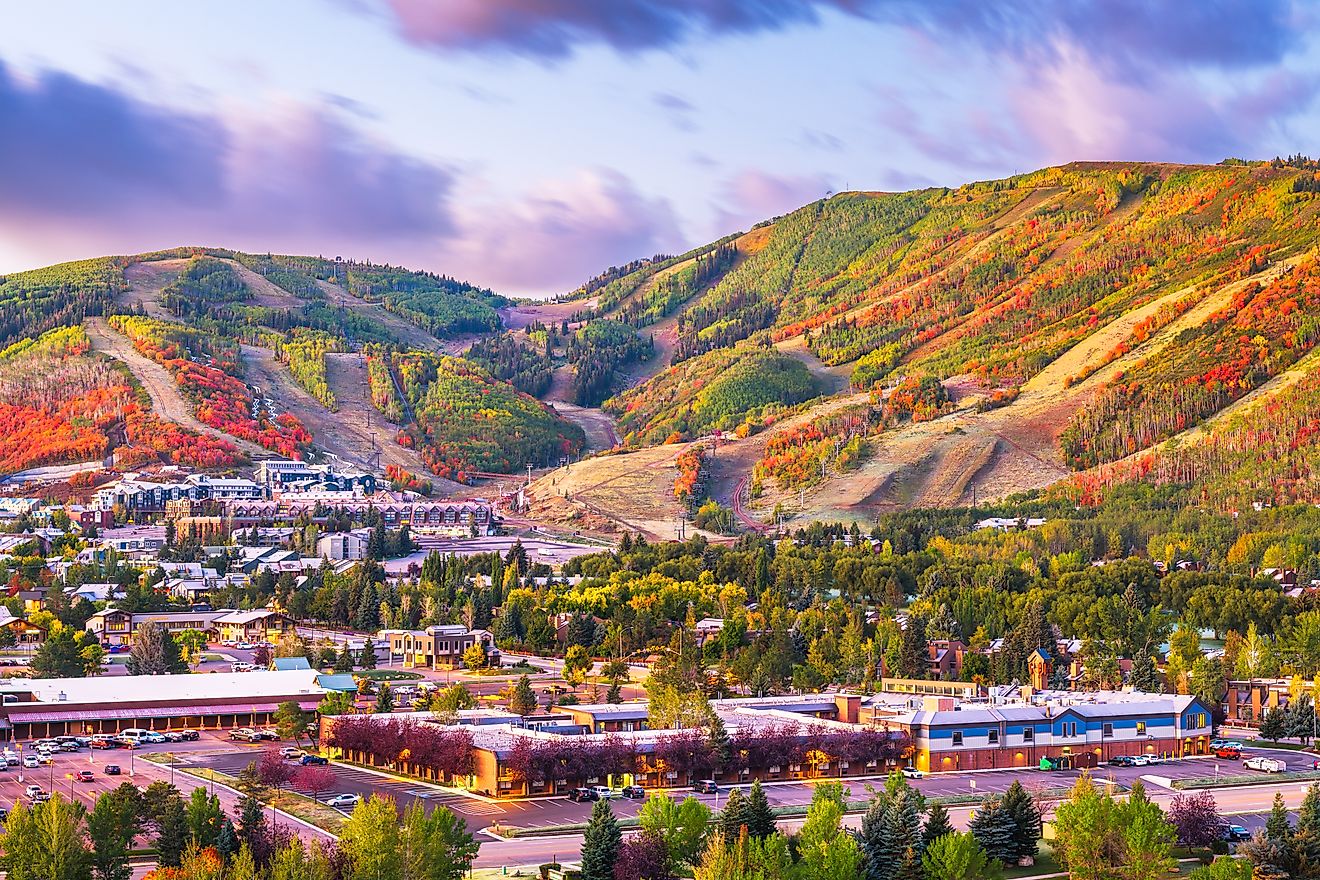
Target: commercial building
point(286, 475)
point(813, 736)
point(396, 509)
point(438, 647)
point(1064, 729)
point(261, 625)
point(137, 494)
point(115, 627)
point(36, 708)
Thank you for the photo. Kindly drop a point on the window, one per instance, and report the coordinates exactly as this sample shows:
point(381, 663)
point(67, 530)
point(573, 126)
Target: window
point(993, 737)
point(1107, 729)
point(1141, 728)
point(1028, 734)
point(957, 737)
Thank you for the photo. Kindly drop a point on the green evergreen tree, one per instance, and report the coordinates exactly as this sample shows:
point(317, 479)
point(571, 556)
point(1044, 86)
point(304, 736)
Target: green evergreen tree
point(733, 818)
point(385, 699)
point(937, 824)
point(1306, 837)
point(760, 818)
point(226, 842)
point(367, 658)
point(600, 843)
point(1145, 675)
point(994, 828)
point(521, 699)
point(344, 662)
point(1026, 820)
point(172, 834)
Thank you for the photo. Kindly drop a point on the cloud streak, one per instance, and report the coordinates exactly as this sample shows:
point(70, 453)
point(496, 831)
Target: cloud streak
point(1125, 33)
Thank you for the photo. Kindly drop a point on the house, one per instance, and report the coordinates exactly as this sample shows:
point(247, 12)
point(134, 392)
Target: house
point(115, 627)
point(26, 635)
point(438, 646)
point(944, 658)
point(95, 592)
point(342, 545)
point(1246, 702)
point(707, 628)
point(262, 625)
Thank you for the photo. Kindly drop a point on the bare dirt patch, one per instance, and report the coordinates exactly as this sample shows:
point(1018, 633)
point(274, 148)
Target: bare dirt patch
point(166, 400)
point(146, 281)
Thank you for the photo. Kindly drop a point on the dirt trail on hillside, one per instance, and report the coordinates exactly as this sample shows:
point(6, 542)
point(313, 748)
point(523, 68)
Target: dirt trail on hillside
point(166, 400)
point(344, 433)
point(830, 380)
point(408, 333)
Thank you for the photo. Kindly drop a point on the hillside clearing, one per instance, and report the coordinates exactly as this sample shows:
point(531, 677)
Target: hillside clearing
point(166, 400)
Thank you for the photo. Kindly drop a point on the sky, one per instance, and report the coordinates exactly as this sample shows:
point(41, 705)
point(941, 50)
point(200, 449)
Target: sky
point(527, 145)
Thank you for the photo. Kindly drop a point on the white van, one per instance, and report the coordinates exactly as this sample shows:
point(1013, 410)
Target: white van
point(134, 733)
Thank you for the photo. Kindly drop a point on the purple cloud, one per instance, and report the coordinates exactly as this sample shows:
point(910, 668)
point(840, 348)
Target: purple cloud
point(561, 232)
point(90, 168)
point(1220, 33)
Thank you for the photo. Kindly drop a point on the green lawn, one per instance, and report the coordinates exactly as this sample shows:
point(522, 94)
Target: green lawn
point(386, 675)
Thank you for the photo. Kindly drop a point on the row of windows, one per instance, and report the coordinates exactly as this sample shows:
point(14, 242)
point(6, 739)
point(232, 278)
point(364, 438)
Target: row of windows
point(1066, 729)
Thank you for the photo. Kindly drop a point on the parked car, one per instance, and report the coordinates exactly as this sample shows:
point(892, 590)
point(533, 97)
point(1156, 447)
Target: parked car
point(245, 646)
point(30, 761)
point(1264, 764)
point(268, 733)
point(634, 792)
point(1152, 760)
point(45, 758)
point(605, 793)
point(705, 786)
point(70, 747)
point(1236, 833)
point(1229, 752)
point(126, 742)
point(313, 759)
point(40, 798)
point(583, 794)
point(4, 814)
point(85, 776)
point(153, 738)
point(32, 790)
point(111, 770)
point(101, 742)
point(911, 773)
point(341, 801)
point(245, 734)
point(1120, 761)
point(289, 753)
point(190, 735)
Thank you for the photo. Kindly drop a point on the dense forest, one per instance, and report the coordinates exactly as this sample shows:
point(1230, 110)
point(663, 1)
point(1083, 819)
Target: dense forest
point(510, 360)
point(468, 422)
point(596, 351)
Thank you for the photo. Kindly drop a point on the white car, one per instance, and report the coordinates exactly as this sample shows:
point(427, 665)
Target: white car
point(341, 801)
point(290, 753)
point(32, 791)
point(31, 761)
point(911, 773)
point(1264, 764)
point(154, 738)
point(45, 758)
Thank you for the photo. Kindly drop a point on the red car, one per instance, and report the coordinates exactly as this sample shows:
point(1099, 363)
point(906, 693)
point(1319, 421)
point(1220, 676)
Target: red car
point(1231, 752)
point(86, 776)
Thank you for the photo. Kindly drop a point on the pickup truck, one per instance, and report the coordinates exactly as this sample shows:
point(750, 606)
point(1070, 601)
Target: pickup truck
point(244, 734)
point(1264, 764)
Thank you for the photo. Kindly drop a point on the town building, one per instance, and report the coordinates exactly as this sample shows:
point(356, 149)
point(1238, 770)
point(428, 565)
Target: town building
point(253, 626)
point(115, 627)
point(1064, 729)
point(342, 545)
point(37, 708)
point(280, 476)
point(136, 494)
point(1246, 701)
point(438, 647)
point(459, 518)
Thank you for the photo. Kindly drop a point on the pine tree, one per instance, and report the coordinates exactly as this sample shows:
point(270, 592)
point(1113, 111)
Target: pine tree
point(385, 699)
point(1026, 820)
point(251, 823)
point(600, 843)
point(226, 842)
point(719, 743)
point(760, 818)
point(1306, 838)
point(937, 824)
point(172, 837)
point(909, 866)
point(734, 816)
point(367, 659)
point(1145, 676)
point(521, 699)
point(994, 827)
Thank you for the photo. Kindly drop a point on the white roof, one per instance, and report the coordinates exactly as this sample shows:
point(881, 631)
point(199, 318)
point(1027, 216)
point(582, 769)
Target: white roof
point(197, 686)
